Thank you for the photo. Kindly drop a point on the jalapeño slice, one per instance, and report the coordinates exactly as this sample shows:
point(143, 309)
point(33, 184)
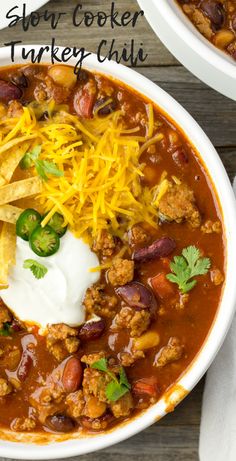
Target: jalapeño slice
point(56, 222)
point(26, 223)
point(44, 241)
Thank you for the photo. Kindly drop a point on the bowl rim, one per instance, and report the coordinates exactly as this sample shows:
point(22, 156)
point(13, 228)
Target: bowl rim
point(224, 316)
point(196, 41)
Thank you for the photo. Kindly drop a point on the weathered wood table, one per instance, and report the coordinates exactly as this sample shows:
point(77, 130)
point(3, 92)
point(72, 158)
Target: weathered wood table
point(175, 438)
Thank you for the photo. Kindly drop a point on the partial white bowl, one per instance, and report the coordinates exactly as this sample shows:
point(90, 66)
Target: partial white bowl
point(7, 5)
point(196, 53)
point(73, 446)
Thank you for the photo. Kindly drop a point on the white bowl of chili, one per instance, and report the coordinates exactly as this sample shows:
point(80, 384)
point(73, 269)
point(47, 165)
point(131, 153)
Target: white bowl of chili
point(209, 63)
point(51, 446)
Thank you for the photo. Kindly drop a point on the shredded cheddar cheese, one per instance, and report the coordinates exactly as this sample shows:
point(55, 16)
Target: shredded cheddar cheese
point(176, 180)
point(101, 183)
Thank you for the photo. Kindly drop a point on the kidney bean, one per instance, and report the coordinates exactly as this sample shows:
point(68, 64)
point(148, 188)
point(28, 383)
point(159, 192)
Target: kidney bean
point(92, 330)
point(135, 294)
point(20, 80)
point(25, 365)
point(107, 109)
point(214, 11)
point(9, 91)
point(158, 249)
point(60, 423)
point(72, 375)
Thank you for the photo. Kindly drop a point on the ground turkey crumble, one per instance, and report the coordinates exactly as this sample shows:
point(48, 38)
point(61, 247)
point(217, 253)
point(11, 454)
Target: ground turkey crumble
point(129, 358)
point(62, 340)
point(170, 353)
point(217, 277)
point(121, 272)
point(23, 424)
point(138, 235)
point(105, 244)
point(178, 204)
point(209, 227)
point(5, 387)
point(97, 302)
point(91, 401)
point(135, 321)
point(202, 23)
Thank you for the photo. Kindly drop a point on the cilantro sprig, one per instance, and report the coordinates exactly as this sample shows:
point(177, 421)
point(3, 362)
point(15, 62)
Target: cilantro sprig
point(6, 329)
point(116, 388)
point(185, 267)
point(37, 269)
point(43, 167)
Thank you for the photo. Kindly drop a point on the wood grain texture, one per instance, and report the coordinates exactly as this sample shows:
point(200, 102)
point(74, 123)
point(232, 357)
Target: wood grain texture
point(174, 438)
point(90, 37)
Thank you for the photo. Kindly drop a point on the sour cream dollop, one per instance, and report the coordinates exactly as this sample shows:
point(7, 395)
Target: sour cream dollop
point(58, 296)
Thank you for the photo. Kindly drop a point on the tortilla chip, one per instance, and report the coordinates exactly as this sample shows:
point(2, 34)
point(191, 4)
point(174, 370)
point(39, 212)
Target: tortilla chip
point(16, 141)
point(10, 160)
point(7, 252)
point(20, 189)
point(10, 213)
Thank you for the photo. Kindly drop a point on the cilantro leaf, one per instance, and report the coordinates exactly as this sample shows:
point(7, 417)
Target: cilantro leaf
point(115, 389)
point(43, 167)
point(6, 330)
point(30, 158)
point(185, 267)
point(100, 365)
point(123, 378)
point(37, 269)
point(197, 265)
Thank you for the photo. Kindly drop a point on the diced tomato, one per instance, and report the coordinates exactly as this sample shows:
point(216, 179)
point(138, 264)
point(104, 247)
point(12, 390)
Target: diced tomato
point(148, 386)
point(84, 101)
point(161, 286)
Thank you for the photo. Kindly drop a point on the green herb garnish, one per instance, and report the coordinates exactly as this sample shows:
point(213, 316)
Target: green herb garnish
point(117, 387)
point(30, 158)
point(187, 266)
point(43, 167)
point(6, 330)
point(37, 269)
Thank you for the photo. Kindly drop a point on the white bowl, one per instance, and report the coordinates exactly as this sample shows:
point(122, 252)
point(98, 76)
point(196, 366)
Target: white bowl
point(185, 42)
point(73, 446)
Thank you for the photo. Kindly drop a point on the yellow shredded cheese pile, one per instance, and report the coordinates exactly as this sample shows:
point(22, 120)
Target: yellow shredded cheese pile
point(100, 187)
